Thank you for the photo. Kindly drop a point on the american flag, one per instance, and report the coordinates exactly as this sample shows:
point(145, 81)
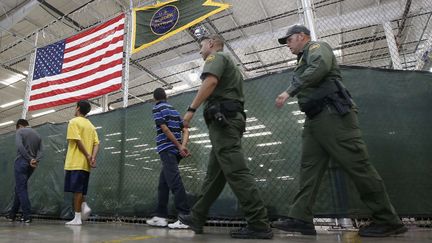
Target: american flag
point(83, 66)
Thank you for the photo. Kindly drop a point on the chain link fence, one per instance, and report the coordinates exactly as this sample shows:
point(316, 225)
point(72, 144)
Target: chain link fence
point(370, 33)
point(124, 185)
point(388, 34)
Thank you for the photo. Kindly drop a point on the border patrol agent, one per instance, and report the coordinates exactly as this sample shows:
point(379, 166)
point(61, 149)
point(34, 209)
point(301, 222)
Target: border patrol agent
point(331, 131)
point(222, 93)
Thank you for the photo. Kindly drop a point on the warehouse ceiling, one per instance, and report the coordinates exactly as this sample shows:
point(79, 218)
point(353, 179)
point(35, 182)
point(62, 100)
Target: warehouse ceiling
point(355, 29)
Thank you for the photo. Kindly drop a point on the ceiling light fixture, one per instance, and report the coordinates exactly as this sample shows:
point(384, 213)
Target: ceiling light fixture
point(11, 103)
point(6, 123)
point(43, 113)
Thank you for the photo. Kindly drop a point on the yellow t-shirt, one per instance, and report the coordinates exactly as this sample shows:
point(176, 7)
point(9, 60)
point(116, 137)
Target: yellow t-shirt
point(80, 128)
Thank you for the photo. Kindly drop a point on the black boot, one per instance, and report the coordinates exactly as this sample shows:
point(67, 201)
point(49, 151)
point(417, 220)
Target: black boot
point(382, 230)
point(187, 220)
point(249, 233)
point(295, 225)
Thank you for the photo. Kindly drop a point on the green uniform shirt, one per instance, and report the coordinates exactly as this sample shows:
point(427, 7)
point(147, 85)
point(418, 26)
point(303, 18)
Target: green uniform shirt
point(230, 80)
point(315, 68)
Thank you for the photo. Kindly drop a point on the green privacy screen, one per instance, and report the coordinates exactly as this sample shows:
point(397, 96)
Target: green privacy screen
point(395, 115)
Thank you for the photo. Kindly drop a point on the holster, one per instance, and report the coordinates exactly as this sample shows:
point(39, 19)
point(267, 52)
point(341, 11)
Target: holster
point(220, 111)
point(340, 100)
point(312, 107)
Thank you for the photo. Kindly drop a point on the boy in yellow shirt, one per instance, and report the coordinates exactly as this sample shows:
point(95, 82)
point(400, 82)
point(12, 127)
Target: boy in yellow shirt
point(83, 145)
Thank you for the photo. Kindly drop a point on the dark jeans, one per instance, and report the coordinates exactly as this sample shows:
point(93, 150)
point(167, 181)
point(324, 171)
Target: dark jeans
point(23, 171)
point(170, 179)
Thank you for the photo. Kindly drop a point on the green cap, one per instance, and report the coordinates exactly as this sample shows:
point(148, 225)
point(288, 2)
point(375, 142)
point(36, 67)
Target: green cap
point(295, 29)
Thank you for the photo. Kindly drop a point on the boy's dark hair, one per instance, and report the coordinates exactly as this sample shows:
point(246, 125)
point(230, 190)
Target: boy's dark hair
point(84, 107)
point(22, 122)
point(159, 94)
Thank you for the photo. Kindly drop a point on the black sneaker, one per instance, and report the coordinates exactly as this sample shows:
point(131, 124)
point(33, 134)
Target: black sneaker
point(187, 220)
point(10, 218)
point(295, 225)
point(26, 220)
point(248, 233)
point(382, 230)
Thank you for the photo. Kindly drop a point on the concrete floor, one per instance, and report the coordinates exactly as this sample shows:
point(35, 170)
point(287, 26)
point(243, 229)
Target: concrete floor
point(55, 231)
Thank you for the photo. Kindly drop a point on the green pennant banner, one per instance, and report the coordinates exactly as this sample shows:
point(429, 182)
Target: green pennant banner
point(158, 22)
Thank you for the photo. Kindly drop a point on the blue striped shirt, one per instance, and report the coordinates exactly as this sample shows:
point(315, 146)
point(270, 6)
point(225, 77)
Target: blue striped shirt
point(164, 113)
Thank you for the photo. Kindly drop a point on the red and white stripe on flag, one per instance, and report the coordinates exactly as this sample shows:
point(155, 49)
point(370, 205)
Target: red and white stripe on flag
point(83, 66)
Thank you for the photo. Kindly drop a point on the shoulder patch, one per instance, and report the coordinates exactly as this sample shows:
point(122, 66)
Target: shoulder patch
point(210, 58)
point(314, 46)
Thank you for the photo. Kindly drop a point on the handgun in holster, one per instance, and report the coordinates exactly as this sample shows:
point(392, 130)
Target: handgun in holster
point(341, 100)
point(222, 110)
point(214, 113)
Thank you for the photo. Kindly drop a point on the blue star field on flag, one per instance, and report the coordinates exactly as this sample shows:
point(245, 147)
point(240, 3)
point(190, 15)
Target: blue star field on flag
point(49, 60)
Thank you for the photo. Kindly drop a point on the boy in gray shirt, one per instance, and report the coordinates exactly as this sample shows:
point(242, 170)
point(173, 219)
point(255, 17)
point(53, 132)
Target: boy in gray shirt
point(29, 152)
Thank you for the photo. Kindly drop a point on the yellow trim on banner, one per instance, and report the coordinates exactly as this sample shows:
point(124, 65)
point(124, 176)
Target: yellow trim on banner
point(222, 6)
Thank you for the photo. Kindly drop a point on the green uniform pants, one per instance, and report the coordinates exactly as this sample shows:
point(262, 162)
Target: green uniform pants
point(330, 136)
point(227, 164)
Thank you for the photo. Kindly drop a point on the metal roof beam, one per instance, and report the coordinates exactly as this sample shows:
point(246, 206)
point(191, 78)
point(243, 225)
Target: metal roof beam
point(17, 14)
point(61, 14)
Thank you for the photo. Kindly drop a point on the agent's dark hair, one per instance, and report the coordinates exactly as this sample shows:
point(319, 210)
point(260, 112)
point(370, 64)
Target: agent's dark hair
point(84, 107)
point(22, 122)
point(159, 94)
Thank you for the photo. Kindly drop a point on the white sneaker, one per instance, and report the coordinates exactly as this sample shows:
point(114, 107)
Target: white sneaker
point(157, 221)
point(178, 225)
point(85, 211)
point(74, 222)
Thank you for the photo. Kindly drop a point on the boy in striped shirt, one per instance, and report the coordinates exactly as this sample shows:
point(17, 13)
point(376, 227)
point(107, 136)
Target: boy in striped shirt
point(171, 148)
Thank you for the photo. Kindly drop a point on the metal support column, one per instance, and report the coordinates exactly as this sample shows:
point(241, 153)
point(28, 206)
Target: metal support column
point(128, 55)
point(391, 43)
point(29, 79)
point(309, 18)
point(104, 103)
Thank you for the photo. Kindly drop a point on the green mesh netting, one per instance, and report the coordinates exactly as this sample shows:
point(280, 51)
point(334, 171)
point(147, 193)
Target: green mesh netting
point(394, 115)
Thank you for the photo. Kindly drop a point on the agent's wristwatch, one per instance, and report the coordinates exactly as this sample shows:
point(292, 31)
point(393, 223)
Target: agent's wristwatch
point(191, 109)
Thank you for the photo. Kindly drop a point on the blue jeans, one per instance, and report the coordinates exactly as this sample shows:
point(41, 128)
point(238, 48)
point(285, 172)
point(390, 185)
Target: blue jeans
point(23, 171)
point(170, 179)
